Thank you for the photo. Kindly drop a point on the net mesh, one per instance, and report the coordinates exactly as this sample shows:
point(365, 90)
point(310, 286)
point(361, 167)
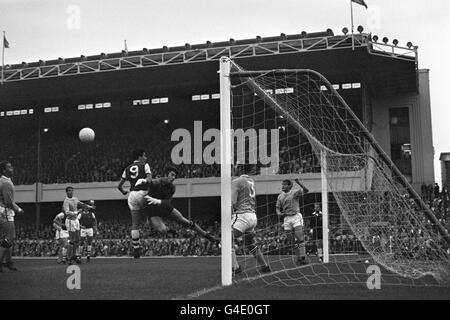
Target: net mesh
point(374, 215)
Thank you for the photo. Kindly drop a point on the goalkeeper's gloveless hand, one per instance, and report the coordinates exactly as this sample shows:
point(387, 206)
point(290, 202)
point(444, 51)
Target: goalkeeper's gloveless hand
point(153, 201)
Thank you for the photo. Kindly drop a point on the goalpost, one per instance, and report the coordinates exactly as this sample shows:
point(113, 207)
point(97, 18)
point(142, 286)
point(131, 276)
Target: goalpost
point(324, 187)
point(225, 170)
point(386, 218)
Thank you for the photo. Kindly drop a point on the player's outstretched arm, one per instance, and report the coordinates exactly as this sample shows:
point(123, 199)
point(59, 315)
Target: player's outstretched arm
point(84, 206)
point(303, 189)
point(165, 203)
point(153, 201)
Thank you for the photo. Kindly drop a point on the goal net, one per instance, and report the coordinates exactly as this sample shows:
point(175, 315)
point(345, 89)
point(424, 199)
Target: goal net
point(295, 125)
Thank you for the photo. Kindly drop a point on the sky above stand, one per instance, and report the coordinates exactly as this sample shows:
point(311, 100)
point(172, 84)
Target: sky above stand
point(48, 29)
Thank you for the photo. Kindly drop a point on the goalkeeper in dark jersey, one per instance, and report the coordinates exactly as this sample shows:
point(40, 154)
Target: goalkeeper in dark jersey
point(159, 200)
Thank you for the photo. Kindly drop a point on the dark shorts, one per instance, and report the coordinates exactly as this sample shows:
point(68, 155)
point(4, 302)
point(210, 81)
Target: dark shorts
point(158, 211)
point(7, 230)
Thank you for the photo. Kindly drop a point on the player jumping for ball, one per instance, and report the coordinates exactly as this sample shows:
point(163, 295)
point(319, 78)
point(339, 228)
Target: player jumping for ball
point(244, 219)
point(288, 207)
point(140, 171)
point(159, 199)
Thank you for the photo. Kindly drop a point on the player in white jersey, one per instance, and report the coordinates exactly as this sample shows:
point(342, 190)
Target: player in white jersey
point(244, 219)
point(288, 208)
point(139, 175)
point(71, 206)
point(62, 235)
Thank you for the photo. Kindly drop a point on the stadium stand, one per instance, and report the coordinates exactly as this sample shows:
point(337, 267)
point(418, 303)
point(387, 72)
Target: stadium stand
point(65, 161)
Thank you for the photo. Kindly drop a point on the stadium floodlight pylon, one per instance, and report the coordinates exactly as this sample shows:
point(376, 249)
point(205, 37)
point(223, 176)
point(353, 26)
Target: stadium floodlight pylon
point(380, 202)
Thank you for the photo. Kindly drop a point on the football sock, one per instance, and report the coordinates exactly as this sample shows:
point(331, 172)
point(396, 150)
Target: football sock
point(7, 255)
point(60, 253)
point(70, 250)
point(135, 239)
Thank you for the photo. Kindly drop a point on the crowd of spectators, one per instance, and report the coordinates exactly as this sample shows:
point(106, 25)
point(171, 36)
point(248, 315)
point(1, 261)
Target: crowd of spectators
point(65, 159)
point(113, 239)
point(439, 202)
point(193, 246)
point(410, 238)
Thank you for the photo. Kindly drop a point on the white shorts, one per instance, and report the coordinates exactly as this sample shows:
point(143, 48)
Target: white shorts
point(88, 232)
point(72, 225)
point(136, 200)
point(63, 234)
point(292, 222)
point(244, 222)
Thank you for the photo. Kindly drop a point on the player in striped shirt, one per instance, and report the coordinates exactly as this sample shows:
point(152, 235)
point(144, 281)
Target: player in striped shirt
point(244, 217)
point(62, 235)
point(288, 208)
point(138, 174)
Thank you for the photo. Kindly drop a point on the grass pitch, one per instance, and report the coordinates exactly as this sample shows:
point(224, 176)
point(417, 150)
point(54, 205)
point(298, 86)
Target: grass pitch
point(199, 278)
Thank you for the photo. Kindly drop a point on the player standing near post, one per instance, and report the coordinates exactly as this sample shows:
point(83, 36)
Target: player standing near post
point(62, 235)
point(159, 198)
point(288, 207)
point(316, 230)
point(71, 206)
point(88, 225)
point(140, 171)
point(244, 219)
point(8, 209)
